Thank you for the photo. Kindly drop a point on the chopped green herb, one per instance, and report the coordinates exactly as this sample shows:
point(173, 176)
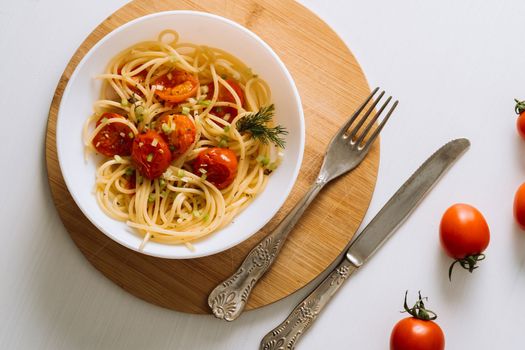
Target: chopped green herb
point(226, 128)
point(173, 58)
point(139, 113)
point(223, 142)
point(104, 120)
point(185, 111)
point(167, 174)
point(130, 171)
point(149, 157)
point(131, 135)
point(162, 183)
point(205, 103)
point(180, 173)
point(206, 217)
point(255, 123)
point(124, 102)
point(264, 160)
point(151, 197)
point(165, 128)
point(272, 166)
point(196, 213)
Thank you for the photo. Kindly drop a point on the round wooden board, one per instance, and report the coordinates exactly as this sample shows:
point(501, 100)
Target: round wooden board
point(331, 85)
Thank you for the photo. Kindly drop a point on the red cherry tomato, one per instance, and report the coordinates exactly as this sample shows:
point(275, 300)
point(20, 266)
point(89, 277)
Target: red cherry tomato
point(150, 154)
point(113, 139)
point(520, 122)
point(414, 334)
point(225, 95)
point(218, 164)
point(176, 86)
point(519, 206)
point(179, 132)
point(418, 332)
point(464, 231)
point(464, 235)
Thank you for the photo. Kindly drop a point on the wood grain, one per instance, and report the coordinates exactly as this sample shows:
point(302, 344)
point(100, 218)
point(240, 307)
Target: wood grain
point(331, 85)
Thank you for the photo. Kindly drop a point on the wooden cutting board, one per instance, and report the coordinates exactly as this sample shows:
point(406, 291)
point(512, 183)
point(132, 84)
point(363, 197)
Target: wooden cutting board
point(331, 85)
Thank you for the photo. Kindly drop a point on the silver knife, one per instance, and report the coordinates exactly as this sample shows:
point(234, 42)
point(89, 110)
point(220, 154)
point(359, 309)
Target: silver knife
point(382, 226)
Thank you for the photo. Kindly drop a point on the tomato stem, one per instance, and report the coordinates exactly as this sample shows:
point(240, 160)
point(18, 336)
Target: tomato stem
point(468, 263)
point(520, 106)
point(418, 310)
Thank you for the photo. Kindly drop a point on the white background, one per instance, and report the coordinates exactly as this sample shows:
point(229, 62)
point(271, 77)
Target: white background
point(455, 67)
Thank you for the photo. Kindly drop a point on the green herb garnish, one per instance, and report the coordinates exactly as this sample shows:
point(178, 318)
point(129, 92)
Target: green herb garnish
point(255, 123)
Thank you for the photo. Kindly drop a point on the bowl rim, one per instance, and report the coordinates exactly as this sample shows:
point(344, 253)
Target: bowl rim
point(298, 106)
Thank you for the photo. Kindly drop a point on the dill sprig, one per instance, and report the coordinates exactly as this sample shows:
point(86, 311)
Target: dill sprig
point(255, 123)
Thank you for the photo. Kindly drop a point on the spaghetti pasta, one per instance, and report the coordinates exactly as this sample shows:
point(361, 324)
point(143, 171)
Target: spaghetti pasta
point(176, 165)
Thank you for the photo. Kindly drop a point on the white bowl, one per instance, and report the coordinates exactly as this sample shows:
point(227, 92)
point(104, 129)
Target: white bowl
point(200, 28)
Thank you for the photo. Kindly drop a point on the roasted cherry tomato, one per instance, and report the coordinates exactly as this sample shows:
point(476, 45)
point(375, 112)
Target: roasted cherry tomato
point(113, 139)
point(520, 122)
point(464, 235)
point(219, 165)
point(519, 206)
point(176, 86)
point(418, 332)
point(151, 154)
point(179, 132)
point(226, 96)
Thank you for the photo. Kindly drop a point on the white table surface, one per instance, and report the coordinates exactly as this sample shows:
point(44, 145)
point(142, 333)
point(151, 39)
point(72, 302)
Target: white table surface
point(454, 65)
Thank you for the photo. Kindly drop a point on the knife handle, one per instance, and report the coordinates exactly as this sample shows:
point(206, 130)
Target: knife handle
point(286, 335)
point(228, 299)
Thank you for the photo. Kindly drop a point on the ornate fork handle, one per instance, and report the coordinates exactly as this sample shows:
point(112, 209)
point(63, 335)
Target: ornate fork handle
point(229, 298)
point(285, 336)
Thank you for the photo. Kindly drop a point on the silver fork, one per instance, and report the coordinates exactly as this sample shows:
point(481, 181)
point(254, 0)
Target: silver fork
point(346, 150)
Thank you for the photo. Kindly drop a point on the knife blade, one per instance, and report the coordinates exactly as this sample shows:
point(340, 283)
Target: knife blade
point(382, 226)
point(401, 204)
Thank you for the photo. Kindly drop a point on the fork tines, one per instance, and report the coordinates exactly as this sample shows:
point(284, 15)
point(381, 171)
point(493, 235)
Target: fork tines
point(352, 134)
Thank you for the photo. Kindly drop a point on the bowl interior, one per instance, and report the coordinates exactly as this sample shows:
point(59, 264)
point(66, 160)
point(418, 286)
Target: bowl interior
point(200, 28)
